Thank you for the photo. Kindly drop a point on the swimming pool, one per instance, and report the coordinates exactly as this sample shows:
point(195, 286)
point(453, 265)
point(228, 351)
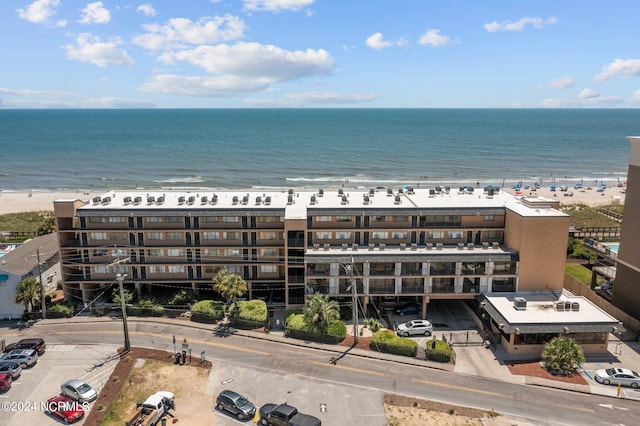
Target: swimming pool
point(612, 246)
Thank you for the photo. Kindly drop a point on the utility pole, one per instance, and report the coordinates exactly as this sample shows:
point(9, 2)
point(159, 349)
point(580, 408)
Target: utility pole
point(354, 299)
point(44, 303)
point(123, 305)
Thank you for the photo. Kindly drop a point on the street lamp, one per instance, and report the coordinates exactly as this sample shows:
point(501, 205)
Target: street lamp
point(127, 343)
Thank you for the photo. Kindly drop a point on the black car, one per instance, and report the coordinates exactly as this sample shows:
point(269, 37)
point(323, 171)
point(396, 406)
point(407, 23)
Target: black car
point(236, 404)
point(36, 344)
point(408, 309)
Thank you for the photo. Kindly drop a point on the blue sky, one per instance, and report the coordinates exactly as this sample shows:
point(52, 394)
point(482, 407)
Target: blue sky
point(320, 53)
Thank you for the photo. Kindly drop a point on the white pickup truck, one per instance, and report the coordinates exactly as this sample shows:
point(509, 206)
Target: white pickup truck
point(152, 409)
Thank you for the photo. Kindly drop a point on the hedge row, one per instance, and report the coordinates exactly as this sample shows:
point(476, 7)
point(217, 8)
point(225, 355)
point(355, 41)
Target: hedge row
point(386, 341)
point(438, 350)
point(250, 314)
point(296, 328)
point(207, 311)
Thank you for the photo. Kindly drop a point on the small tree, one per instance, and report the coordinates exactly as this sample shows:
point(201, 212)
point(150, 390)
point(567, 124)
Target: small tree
point(230, 286)
point(320, 311)
point(28, 293)
point(128, 296)
point(562, 354)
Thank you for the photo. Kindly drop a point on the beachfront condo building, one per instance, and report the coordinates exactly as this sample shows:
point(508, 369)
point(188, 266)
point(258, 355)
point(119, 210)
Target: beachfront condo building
point(626, 291)
point(381, 246)
point(404, 244)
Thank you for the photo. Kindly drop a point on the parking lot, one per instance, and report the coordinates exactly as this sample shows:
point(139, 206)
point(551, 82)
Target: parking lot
point(23, 403)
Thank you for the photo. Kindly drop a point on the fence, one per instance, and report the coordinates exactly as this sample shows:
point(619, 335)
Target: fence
point(597, 232)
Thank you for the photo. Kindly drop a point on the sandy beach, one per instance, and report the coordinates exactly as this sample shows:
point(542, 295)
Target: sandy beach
point(24, 201)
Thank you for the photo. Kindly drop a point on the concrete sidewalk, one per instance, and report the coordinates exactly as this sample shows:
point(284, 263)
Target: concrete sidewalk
point(472, 357)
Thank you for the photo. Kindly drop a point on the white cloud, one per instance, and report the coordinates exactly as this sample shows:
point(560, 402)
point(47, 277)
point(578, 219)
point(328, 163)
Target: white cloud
point(95, 13)
point(588, 94)
point(39, 11)
point(92, 49)
point(254, 60)
point(377, 42)
point(433, 38)
point(206, 86)
point(61, 23)
point(560, 83)
point(323, 97)
point(147, 9)
point(178, 32)
point(537, 23)
point(635, 98)
point(619, 68)
point(30, 92)
point(276, 5)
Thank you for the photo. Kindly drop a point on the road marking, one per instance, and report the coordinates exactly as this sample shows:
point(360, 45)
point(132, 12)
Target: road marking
point(466, 389)
point(60, 348)
point(357, 370)
point(611, 407)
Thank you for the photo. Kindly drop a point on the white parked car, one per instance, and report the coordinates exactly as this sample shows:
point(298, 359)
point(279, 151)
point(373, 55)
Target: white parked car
point(78, 390)
point(614, 376)
point(414, 328)
point(24, 357)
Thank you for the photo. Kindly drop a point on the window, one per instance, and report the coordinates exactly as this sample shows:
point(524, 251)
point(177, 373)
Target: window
point(435, 235)
point(211, 235)
point(208, 269)
point(96, 219)
point(489, 217)
point(98, 235)
point(172, 219)
point(269, 269)
point(174, 236)
point(119, 252)
point(267, 219)
point(379, 218)
point(175, 252)
point(154, 219)
point(156, 252)
point(344, 218)
point(399, 235)
point(231, 235)
point(400, 218)
point(120, 269)
point(234, 269)
point(210, 219)
point(232, 252)
point(100, 252)
point(323, 218)
point(455, 235)
point(157, 269)
point(269, 252)
point(119, 236)
point(268, 236)
point(100, 269)
point(491, 235)
point(116, 219)
point(324, 235)
point(380, 235)
point(343, 235)
point(230, 219)
point(155, 236)
point(212, 252)
point(176, 269)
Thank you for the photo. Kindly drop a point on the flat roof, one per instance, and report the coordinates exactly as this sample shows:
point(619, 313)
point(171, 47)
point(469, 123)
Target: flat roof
point(541, 315)
point(298, 204)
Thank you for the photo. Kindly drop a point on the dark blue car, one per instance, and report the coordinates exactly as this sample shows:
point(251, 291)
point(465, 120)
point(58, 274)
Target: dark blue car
point(408, 309)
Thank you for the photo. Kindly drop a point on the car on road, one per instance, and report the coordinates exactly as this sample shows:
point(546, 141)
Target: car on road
point(408, 309)
point(12, 368)
point(78, 390)
point(65, 408)
point(415, 328)
point(33, 343)
point(5, 382)
point(24, 357)
point(614, 376)
point(236, 404)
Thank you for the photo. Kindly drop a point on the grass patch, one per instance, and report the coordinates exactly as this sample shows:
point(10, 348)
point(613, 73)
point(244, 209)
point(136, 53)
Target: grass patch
point(579, 272)
point(585, 216)
point(40, 222)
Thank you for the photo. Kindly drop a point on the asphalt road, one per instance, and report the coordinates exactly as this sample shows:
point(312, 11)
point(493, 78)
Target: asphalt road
point(275, 372)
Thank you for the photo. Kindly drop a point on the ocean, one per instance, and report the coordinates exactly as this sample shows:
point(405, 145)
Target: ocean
point(310, 148)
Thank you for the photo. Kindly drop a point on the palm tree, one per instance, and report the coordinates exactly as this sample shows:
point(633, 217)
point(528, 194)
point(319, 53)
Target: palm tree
point(28, 293)
point(230, 286)
point(562, 354)
point(320, 311)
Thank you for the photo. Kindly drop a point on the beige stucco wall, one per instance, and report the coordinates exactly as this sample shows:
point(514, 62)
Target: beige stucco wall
point(542, 244)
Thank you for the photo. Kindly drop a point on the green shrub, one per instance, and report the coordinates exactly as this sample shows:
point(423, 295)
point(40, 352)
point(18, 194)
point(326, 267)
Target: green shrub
point(337, 329)
point(207, 311)
point(287, 314)
point(386, 341)
point(373, 324)
point(59, 311)
point(441, 352)
point(250, 314)
point(182, 297)
point(297, 328)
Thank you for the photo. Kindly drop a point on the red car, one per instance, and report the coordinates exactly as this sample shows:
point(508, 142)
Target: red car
point(65, 408)
point(5, 381)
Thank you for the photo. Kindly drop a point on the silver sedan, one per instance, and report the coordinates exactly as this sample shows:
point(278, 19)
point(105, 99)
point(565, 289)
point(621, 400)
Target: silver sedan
point(615, 376)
